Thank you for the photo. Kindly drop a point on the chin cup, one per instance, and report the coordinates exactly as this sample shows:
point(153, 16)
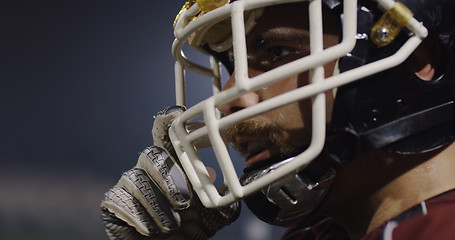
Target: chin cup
point(289, 199)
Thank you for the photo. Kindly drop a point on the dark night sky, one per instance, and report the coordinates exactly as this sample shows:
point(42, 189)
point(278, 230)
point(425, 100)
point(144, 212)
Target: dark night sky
point(77, 76)
point(80, 83)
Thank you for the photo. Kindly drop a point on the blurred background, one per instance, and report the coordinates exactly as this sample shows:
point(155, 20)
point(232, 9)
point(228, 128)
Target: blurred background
point(80, 81)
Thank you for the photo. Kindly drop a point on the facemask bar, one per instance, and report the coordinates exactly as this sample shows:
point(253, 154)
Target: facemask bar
point(183, 141)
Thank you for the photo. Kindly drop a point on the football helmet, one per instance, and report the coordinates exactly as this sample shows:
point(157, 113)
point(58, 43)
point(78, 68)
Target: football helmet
point(380, 102)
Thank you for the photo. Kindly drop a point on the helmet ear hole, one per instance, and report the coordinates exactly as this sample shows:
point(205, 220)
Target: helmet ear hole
point(427, 60)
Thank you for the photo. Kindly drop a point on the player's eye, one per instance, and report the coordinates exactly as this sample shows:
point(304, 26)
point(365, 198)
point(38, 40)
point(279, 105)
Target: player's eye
point(279, 52)
point(277, 55)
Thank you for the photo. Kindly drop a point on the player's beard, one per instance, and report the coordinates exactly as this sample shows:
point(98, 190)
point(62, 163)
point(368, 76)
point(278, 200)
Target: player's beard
point(259, 129)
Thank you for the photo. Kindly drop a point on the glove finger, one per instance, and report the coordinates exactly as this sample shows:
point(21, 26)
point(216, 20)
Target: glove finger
point(162, 123)
point(138, 183)
point(128, 209)
point(167, 175)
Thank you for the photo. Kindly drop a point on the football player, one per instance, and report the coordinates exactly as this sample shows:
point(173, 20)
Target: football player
point(343, 111)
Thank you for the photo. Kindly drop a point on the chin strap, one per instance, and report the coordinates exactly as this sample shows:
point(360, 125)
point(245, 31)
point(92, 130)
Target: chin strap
point(291, 198)
point(407, 126)
point(416, 133)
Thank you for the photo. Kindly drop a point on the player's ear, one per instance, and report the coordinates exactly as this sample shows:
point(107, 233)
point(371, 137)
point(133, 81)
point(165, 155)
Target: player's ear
point(426, 59)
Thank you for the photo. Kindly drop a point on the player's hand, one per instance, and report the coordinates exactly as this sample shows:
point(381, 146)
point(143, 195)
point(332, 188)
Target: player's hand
point(154, 200)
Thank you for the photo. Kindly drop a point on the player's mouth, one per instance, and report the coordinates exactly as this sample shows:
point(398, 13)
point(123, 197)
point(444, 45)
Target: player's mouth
point(256, 150)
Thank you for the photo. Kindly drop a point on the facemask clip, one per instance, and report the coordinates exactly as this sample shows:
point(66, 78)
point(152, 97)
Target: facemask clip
point(390, 24)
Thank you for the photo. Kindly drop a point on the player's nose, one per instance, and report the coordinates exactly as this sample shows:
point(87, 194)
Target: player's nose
point(244, 101)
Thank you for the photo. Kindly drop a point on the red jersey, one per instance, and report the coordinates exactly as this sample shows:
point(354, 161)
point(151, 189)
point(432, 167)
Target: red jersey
point(431, 219)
